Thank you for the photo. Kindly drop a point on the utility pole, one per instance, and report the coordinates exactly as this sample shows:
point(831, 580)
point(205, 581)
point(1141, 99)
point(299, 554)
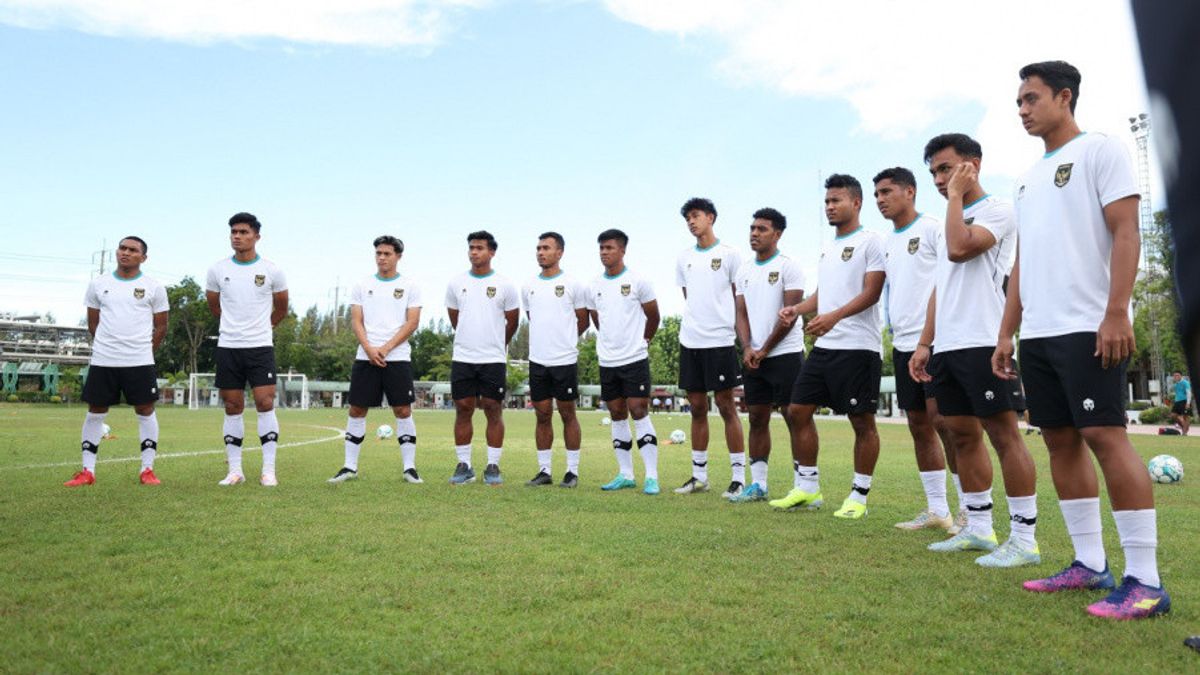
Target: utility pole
point(1140, 127)
point(98, 257)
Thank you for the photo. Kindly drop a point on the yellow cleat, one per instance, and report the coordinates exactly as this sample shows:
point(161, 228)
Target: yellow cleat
point(851, 510)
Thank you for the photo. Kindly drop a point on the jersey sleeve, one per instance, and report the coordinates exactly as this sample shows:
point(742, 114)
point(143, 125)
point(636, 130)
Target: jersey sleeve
point(1113, 172)
point(278, 280)
point(733, 264)
point(356, 294)
point(525, 297)
point(999, 219)
point(793, 276)
point(739, 281)
point(451, 298)
point(414, 294)
point(680, 271)
point(212, 283)
point(589, 299)
point(91, 297)
point(645, 290)
point(512, 299)
point(160, 302)
point(581, 295)
point(876, 260)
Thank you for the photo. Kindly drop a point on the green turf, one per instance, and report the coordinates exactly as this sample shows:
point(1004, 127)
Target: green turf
point(381, 575)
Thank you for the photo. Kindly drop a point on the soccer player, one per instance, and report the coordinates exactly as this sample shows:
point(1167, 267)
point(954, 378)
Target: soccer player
point(624, 309)
point(1077, 212)
point(974, 256)
point(385, 309)
point(127, 317)
point(842, 371)
point(772, 349)
point(249, 295)
point(1180, 410)
point(484, 309)
point(556, 306)
point(707, 359)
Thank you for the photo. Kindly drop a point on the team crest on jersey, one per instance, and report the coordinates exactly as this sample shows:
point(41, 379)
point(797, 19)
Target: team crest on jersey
point(139, 293)
point(491, 291)
point(969, 221)
point(559, 290)
point(913, 244)
point(397, 293)
point(626, 289)
point(260, 279)
point(847, 253)
point(772, 278)
point(1063, 175)
point(716, 264)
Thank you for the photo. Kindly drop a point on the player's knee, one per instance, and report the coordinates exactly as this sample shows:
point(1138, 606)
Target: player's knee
point(543, 416)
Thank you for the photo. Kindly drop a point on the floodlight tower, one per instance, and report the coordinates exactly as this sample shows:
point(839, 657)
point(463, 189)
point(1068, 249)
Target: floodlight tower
point(1139, 126)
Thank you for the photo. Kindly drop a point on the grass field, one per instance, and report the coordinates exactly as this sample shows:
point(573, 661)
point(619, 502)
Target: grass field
point(381, 575)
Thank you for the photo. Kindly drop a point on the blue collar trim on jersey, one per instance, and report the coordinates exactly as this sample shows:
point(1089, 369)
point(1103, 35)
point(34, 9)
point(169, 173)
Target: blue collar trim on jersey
point(1052, 152)
point(623, 271)
point(546, 278)
point(139, 276)
point(481, 276)
point(764, 262)
point(387, 278)
point(914, 222)
point(239, 262)
point(709, 248)
point(849, 234)
point(985, 196)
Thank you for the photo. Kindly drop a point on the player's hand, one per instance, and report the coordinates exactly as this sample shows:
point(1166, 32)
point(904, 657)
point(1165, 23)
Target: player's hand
point(918, 363)
point(748, 358)
point(962, 180)
point(788, 315)
point(1002, 364)
point(822, 324)
point(1114, 339)
point(376, 356)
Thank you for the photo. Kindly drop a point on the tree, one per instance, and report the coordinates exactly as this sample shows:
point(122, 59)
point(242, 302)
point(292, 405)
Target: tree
point(429, 345)
point(1156, 302)
point(589, 363)
point(516, 376)
point(519, 347)
point(664, 352)
point(190, 323)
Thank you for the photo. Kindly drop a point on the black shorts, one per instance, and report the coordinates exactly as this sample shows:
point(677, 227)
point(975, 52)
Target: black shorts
point(106, 384)
point(711, 369)
point(910, 394)
point(1180, 408)
point(846, 380)
point(1066, 385)
point(558, 382)
point(369, 383)
point(964, 384)
point(631, 380)
point(469, 380)
point(237, 367)
point(771, 383)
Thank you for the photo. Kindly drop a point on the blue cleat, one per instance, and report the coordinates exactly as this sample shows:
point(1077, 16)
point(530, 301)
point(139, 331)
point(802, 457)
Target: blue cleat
point(619, 483)
point(753, 493)
point(463, 474)
point(651, 487)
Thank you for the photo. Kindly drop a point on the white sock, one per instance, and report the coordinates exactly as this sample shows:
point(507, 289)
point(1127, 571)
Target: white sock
point(758, 472)
point(648, 444)
point(573, 461)
point(235, 431)
point(700, 465)
point(806, 478)
point(148, 430)
point(464, 454)
point(406, 434)
point(494, 455)
point(1022, 511)
point(544, 461)
point(1083, 524)
point(934, 483)
point(737, 467)
point(90, 435)
point(268, 434)
point(962, 501)
point(860, 487)
point(623, 448)
point(1139, 539)
point(356, 431)
point(979, 512)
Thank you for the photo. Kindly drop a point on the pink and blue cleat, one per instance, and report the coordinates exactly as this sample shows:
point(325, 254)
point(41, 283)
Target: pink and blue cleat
point(1076, 577)
point(1132, 600)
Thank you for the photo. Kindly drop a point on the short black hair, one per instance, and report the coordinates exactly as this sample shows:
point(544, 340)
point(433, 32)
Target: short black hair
point(562, 243)
point(698, 204)
point(389, 240)
point(611, 234)
point(1057, 75)
point(898, 175)
point(485, 236)
point(842, 180)
point(145, 248)
point(963, 144)
point(246, 218)
point(778, 221)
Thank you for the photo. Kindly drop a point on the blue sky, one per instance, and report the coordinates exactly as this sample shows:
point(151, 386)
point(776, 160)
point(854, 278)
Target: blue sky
point(517, 117)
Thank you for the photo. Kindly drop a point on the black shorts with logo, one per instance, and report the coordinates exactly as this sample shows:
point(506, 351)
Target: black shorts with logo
point(558, 382)
point(631, 380)
point(1180, 408)
point(1067, 386)
point(771, 383)
point(846, 380)
point(369, 383)
point(106, 384)
point(910, 394)
point(238, 366)
point(469, 380)
point(709, 369)
point(964, 384)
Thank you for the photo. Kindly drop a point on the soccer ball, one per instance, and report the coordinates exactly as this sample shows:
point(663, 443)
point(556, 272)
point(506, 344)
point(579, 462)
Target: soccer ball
point(384, 432)
point(1166, 469)
point(678, 436)
point(606, 420)
point(107, 432)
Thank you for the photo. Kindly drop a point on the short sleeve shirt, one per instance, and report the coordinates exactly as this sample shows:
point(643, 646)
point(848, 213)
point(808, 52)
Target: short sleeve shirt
point(708, 275)
point(618, 303)
point(124, 337)
point(385, 304)
point(841, 273)
point(970, 295)
point(911, 265)
point(481, 303)
point(247, 298)
point(762, 285)
point(553, 325)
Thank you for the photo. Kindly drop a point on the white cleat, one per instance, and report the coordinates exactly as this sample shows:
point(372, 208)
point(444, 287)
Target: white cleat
point(268, 480)
point(411, 476)
point(232, 479)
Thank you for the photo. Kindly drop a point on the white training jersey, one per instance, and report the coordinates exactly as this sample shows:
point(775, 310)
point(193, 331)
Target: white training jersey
point(618, 303)
point(840, 274)
point(761, 285)
point(970, 295)
point(911, 259)
point(1065, 244)
point(247, 298)
point(481, 303)
point(385, 304)
point(708, 275)
point(553, 325)
point(124, 337)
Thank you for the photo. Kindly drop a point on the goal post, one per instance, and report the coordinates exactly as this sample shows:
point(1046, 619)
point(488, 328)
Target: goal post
point(198, 382)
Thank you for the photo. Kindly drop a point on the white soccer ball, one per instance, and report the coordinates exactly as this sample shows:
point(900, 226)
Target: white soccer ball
point(107, 432)
point(678, 436)
point(1165, 469)
point(606, 420)
point(384, 431)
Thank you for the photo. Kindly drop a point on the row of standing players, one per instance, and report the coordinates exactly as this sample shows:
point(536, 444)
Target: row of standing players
point(956, 293)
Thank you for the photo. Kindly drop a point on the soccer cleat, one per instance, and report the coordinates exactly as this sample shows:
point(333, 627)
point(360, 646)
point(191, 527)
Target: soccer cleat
point(147, 477)
point(753, 493)
point(463, 474)
point(491, 475)
point(83, 477)
point(692, 486)
point(344, 474)
point(232, 479)
point(927, 520)
point(651, 486)
point(851, 510)
point(569, 480)
point(619, 483)
point(542, 478)
point(960, 522)
point(410, 475)
point(1193, 642)
point(1074, 577)
point(734, 489)
point(965, 541)
point(1132, 600)
point(1011, 553)
point(798, 499)
point(268, 480)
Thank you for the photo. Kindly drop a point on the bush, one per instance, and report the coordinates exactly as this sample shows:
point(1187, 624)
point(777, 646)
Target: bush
point(13, 398)
point(1154, 415)
point(1138, 405)
point(56, 399)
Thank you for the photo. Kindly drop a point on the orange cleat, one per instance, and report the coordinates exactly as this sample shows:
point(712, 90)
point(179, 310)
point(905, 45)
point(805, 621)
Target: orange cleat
point(148, 477)
point(84, 477)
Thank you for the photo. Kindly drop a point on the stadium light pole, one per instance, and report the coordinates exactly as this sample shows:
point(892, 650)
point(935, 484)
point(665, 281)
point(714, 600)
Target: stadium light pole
point(1139, 126)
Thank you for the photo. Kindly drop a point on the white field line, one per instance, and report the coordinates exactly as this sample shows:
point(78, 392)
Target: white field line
point(195, 453)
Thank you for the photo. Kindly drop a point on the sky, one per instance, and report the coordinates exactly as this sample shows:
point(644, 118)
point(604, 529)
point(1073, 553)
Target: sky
point(335, 122)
